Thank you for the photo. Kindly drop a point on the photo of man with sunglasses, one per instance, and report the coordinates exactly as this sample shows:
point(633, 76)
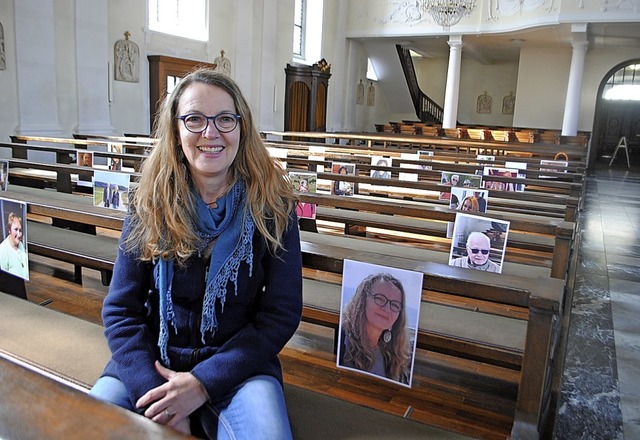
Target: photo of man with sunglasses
point(473, 247)
point(478, 249)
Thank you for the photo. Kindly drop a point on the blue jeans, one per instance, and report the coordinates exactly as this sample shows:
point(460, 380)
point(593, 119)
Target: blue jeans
point(253, 410)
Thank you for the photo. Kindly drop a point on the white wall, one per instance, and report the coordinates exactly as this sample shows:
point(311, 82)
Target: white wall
point(257, 41)
point(542, 87)
point(8, 84)
point(597, 65)
point(497, 79)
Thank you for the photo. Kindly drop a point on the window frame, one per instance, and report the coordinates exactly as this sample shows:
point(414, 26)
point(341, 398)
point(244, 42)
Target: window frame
point(176, 28)
point(300, 28)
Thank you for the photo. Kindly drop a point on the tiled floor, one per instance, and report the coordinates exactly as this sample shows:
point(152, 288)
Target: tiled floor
point(600, 397)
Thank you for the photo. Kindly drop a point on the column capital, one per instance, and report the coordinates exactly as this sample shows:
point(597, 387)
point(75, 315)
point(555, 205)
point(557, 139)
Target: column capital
point(455, 41)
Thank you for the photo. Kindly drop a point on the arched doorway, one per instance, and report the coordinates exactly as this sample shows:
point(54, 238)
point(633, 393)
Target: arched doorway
point(617, 111)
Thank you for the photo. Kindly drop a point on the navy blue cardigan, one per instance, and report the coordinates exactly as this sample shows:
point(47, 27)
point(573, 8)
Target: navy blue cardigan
point(252, 329)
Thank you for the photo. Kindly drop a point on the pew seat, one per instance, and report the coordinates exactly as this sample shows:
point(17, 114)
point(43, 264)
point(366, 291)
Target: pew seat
point(48, 361)
point(78, 248)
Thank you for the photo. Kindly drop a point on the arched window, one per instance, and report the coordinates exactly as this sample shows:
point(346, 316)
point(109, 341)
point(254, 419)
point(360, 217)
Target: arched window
point(624, 85)
point(182, 18)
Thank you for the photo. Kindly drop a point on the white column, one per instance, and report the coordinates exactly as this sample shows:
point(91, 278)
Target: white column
point(36, 68)
point(574, 87)
point(452, 90)
point(92, 51)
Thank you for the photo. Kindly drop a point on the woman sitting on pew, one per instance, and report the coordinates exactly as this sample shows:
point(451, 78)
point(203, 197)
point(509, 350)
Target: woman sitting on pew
point(374, 337)
point(207, 285)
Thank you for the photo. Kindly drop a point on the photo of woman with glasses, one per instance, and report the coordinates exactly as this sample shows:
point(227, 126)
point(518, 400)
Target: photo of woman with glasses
point(375, 333)
point(472, 246)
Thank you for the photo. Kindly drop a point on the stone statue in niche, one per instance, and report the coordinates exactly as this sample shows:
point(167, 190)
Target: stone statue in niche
point(127, 60)
point(223, 64)
point(483, 104)
point(508, 103)
point(3, 60)
point(371, 95)
point(360, 93)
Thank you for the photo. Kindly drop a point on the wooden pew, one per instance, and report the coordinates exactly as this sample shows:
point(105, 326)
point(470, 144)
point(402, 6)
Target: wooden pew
point(454, 141)
point(446, 286)
point(36, 406)
point(540, 304)
point(562, 234)
point(323, 257)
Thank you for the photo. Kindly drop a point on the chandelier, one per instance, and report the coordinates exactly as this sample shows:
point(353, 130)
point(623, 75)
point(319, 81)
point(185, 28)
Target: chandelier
point(449, 12)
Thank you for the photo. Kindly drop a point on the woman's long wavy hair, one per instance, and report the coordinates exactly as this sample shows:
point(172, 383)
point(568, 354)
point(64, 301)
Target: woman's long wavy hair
point(163, 205)
point(354, 321)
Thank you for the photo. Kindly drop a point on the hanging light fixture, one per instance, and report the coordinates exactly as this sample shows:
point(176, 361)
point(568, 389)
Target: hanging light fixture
point(449, 12)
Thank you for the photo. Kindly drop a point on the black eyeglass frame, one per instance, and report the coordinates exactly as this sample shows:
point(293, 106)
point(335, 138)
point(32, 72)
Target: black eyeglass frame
point(213, 118)
point(382, 301)
point(482, 251)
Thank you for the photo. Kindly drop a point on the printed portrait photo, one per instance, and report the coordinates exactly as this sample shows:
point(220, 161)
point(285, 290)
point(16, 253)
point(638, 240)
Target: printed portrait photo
point(381, 161)
point(111, 190)
point(379, 315)
point(14, 257)
point(478, 243)
point(458, 180)
point(84, 158)
point(554, 166)
point(304, 182)
point(115, 163)
point(467, 200)
point(488, 172)
point(340, 187)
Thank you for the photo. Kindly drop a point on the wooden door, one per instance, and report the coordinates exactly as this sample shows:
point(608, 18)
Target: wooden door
point(164, 74)
point(618, 118)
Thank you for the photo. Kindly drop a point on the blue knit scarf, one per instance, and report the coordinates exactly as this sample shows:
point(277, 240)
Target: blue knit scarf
point(233, 229)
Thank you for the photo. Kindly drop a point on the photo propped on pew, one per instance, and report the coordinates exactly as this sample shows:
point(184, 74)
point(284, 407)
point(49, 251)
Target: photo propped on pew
point(379, 311)
point(4, 174)
point(559, 166)
point(380, 161)
point(467, 200)
point(500, 185)
point(111, 190)
point(478, 243)
point(84, 159)
point(339, 187)
point(520, 166)
point(14, 256)
point(304, 182)
point(459, 180)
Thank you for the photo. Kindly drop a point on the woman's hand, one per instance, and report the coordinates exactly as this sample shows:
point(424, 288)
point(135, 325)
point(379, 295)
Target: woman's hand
point(171, 403)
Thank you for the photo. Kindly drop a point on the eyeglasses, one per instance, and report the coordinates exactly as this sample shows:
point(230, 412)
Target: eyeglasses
point(381, 300)
point(198, 123)
point(475, 251)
